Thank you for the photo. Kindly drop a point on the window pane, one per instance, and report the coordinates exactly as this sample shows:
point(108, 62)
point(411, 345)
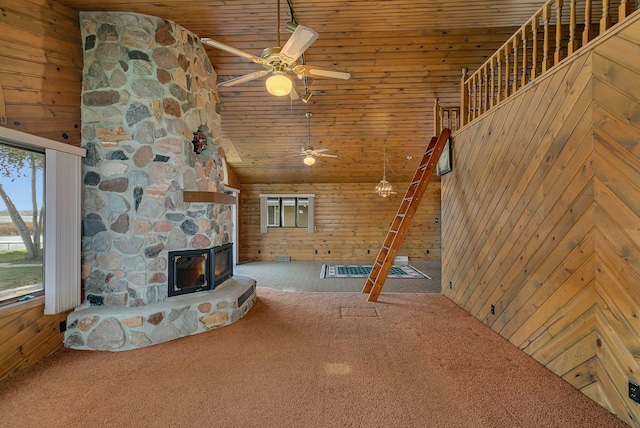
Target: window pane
point(21, 192)
point(289, 212)
point(273, 212)
point(303, 212)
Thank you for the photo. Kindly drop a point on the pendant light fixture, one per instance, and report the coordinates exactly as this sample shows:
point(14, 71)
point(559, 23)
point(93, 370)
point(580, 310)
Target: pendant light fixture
point(384, 188)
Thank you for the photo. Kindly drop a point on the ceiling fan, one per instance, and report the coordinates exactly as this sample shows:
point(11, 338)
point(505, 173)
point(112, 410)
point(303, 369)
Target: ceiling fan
point(309, 152)
point(279, 62)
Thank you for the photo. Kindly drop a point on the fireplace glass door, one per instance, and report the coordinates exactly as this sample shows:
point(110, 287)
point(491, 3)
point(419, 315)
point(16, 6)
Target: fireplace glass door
point(188, 271)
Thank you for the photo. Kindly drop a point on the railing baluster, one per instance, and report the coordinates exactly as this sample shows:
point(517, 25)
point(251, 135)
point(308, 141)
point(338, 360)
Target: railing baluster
point(485, 89)
point(499, 77)
point(624, 10)
point(573, 43)
point(464, 97)
point(515, 65)
point(523, 80)
point(507, 74)
point(559, 55)
point(605, 21)
point(534, 49)
point(492, 82)
point(475, 95)
point(588, 33)
point(546, 16)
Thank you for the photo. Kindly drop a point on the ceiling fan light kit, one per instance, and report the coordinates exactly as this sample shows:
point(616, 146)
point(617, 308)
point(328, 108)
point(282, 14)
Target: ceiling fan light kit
point(279, 84)
point(309, 160)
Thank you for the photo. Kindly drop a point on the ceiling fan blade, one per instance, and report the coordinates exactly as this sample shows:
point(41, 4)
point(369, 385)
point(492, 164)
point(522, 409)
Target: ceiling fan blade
point(326, 155)
point(232, 50)
point(299, 41)
point(311, 71)
point(320, 150)
point(294, 94)
point(243, 79)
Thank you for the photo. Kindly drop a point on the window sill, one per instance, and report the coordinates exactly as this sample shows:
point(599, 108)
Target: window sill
point(13, 306)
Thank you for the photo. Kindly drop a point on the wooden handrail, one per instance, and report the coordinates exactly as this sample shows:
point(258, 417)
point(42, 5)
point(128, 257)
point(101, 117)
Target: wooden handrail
point(536, 48)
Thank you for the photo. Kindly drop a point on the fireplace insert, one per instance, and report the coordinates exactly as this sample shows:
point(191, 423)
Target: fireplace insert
point(222, 263)
point(191, 271)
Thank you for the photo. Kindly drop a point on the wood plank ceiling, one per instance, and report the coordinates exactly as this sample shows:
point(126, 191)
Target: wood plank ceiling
point(402, 55)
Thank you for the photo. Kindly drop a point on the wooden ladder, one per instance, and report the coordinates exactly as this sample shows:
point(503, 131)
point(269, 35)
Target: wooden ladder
point(402, 221)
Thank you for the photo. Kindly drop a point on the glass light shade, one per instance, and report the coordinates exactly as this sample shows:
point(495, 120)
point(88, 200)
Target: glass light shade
point(384, 189)
point(309, 160)
point(279, 85)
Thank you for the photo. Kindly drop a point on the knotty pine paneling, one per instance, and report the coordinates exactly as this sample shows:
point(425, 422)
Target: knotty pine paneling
point(41, 68)
point(40, 74)
point(351, 223)
point(540, 235)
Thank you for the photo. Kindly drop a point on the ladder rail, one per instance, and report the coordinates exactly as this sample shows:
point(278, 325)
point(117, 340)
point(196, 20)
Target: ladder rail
point(404, 216)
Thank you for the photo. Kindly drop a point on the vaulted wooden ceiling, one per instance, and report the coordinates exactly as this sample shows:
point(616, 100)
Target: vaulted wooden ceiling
point(402, 54)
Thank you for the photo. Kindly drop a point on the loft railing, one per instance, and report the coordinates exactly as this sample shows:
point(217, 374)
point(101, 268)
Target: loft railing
point(445, 117)
point(555, 32)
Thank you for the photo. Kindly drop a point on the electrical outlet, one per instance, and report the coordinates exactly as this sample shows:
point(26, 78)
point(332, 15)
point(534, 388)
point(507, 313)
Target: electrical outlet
point(450, 286)
point(493, 309)
point(63, 328)
point(634, 392)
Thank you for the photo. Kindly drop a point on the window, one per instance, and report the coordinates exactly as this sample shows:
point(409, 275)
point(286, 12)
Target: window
point(21, 222)
point(286, 211)
point(59, 192)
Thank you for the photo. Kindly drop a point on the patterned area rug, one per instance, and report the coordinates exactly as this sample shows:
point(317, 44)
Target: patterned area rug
point(362, 271)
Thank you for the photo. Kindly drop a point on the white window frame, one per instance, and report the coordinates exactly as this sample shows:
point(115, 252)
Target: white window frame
point(63, 186)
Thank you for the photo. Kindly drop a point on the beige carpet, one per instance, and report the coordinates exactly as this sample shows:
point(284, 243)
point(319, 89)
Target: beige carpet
point(308, 360)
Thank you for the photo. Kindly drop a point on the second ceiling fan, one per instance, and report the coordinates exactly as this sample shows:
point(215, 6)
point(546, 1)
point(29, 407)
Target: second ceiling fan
point(280, 62)
point(309, 152)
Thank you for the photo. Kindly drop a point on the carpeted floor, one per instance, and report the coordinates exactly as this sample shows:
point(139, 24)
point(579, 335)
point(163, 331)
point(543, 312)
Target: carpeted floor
point(322, 359)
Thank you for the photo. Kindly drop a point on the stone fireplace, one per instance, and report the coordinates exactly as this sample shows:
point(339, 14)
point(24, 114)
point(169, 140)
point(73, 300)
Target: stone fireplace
point(150, 124)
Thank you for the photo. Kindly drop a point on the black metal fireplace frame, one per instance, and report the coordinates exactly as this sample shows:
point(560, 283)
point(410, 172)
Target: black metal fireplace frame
point(175, 289)
point(211, 280)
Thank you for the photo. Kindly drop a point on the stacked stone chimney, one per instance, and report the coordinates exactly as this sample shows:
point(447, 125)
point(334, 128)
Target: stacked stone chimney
point(148, 85)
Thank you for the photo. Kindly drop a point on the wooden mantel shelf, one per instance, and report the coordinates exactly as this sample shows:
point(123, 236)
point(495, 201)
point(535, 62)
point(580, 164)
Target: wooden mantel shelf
point(210, 197)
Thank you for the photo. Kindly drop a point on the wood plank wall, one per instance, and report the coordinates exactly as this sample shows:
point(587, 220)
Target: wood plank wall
point(541, 215)
point(41, 68)
point(40, 73)
point(351, 224)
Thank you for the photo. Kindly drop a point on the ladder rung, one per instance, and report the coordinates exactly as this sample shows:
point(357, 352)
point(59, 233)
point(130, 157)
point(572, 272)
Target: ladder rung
point(415, 183)
point(400, 215)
